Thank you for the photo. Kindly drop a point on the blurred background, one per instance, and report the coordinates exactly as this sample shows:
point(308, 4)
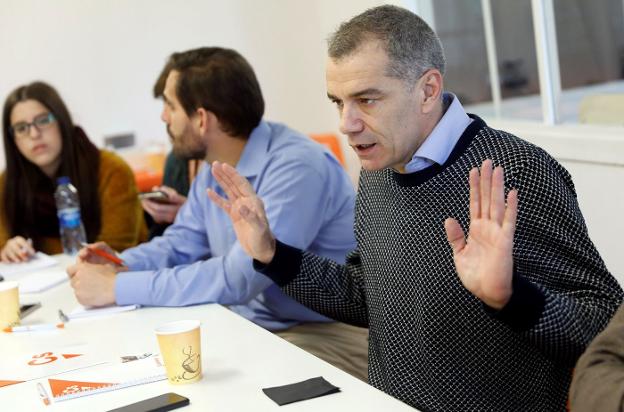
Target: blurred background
point(550, 71)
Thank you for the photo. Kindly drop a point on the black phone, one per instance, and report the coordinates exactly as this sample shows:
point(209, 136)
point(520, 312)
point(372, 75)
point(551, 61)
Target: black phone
point(25, 310)
point(161, 403)
point(155, 195)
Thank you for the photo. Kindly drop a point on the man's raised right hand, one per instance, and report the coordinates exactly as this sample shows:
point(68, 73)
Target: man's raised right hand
point(246, 211)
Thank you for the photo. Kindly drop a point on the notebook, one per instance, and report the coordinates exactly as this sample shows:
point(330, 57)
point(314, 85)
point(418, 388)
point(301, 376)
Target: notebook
point(80, 312)
point(38, 261)
point(106, 377)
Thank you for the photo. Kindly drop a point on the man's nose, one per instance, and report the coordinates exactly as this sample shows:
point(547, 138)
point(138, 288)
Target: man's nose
point(350, 120)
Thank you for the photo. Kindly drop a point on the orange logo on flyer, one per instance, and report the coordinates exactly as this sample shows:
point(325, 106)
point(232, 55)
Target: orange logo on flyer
point(48, 357)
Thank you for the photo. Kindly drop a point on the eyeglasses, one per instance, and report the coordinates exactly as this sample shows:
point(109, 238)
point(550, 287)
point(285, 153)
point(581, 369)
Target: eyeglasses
point(41, 122)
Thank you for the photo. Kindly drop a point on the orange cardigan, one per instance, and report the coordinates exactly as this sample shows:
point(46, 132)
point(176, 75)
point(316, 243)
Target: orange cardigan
point(123, 225)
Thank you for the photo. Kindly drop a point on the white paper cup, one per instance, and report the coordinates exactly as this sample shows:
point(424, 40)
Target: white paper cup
point(9, 304)
point(180, 348)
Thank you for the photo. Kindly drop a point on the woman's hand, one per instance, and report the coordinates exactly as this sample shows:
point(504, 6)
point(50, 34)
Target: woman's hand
point(17, 249)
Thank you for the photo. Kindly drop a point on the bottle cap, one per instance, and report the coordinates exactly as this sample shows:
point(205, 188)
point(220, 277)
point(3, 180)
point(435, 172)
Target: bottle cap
point(63, 180)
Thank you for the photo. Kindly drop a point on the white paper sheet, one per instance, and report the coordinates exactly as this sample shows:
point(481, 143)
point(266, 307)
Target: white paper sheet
point(83, 312)
point(41, 280)
point(38, 261)
point(47, 361)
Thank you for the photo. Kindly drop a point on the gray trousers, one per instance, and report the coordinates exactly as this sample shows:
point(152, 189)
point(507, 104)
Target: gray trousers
point(342, 345)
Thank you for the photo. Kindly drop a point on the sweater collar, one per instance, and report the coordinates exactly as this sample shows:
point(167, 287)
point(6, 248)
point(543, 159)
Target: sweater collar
point(416, 178)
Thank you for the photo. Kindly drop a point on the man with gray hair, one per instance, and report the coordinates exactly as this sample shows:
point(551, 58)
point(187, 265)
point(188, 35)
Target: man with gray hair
point(494, 321)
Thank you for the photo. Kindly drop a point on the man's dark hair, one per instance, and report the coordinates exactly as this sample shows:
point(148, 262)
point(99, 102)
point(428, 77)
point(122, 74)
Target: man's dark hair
point(220, 81)
point(412, 46)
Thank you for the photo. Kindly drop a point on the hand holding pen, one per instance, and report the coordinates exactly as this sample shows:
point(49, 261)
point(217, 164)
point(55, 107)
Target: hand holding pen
point(98, 253)
point(17, 249)
point(93, 275)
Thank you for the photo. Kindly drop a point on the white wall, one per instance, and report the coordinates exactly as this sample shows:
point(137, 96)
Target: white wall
point(104, 56)
point(601, 198)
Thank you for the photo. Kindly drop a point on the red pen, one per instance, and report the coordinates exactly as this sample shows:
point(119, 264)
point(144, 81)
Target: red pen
point(104, 254)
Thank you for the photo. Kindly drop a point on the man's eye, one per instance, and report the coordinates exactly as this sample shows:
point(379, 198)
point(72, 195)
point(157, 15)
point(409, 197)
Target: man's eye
point(368, 102)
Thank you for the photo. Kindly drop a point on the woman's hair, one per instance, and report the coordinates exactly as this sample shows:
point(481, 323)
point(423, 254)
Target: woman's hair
point(25, 182)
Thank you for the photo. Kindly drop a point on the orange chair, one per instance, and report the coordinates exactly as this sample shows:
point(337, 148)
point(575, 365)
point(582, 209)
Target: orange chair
point(330, 141)
point(146, 179)
point(148, 167)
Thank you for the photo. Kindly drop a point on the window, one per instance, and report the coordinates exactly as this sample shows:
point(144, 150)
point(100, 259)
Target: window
point(550, 60)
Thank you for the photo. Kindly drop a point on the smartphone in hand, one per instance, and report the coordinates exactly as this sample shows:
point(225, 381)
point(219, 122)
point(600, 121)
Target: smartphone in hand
point(157, 196)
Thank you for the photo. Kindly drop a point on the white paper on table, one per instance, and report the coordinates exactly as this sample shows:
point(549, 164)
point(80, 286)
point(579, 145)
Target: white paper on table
point(107, 377)
point(47, 361)
point(41, 280)
point(84, 312)
point(38, 261)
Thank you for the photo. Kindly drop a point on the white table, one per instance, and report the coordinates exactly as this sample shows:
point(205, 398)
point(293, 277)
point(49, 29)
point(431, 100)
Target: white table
point(238, 359)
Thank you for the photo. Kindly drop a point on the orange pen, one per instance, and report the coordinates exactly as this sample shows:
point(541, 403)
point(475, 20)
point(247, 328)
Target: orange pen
point(104, 254)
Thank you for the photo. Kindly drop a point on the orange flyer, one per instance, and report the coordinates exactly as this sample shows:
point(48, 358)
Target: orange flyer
point(106, 377)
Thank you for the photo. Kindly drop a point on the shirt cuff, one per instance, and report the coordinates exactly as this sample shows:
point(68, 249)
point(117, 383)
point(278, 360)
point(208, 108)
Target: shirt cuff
point(129, 260)
point(285, 265)
point(133, 288)
point(524, 308)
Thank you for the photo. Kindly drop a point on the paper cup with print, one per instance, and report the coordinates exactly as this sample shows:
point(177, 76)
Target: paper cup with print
point(180, 348)
point(9, 304)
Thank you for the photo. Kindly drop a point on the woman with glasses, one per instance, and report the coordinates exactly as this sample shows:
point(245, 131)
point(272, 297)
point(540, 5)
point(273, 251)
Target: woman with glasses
point(42, 143)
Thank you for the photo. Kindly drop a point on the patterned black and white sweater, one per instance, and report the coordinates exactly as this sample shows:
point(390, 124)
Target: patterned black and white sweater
point(432, 343)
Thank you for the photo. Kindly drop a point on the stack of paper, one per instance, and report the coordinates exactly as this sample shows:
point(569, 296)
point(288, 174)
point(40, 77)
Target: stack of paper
point(36, 275)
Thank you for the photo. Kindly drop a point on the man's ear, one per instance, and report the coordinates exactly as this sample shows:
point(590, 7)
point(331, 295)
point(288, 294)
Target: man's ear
point(206, 120)
point(431, 86)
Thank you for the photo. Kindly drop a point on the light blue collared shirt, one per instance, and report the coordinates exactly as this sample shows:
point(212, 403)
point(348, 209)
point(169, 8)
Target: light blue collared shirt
point(440, 143)
point(309, 201)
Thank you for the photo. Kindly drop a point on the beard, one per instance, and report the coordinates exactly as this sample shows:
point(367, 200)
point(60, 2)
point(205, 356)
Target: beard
point(186, 146)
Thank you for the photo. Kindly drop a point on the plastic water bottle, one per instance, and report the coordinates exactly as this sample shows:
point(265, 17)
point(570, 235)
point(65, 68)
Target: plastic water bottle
point(68, 211)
